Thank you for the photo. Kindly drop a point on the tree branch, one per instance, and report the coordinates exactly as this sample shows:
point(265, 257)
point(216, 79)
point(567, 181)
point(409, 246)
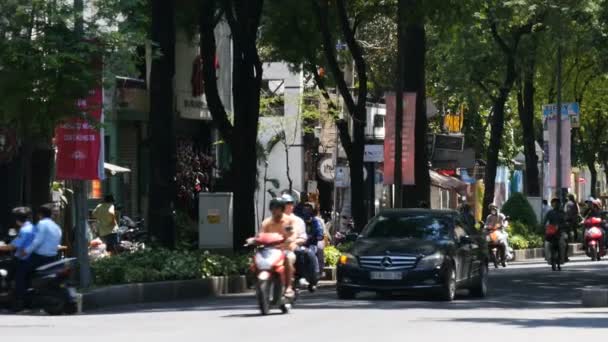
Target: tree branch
point(321, 9)
point(357, 53)
point(498, 39)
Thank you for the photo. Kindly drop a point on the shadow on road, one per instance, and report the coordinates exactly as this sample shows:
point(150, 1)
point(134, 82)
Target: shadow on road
point(562, 322)
point(534, 287)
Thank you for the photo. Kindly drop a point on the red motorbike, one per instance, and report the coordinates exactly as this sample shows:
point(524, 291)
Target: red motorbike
point(594, 238)
point(269, 267)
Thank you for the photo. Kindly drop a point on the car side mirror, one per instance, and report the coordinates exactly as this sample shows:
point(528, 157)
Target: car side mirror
point(352, 237)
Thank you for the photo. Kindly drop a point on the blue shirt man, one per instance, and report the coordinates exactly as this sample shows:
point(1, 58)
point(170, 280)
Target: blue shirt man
point(47, 239)
point(23, 240)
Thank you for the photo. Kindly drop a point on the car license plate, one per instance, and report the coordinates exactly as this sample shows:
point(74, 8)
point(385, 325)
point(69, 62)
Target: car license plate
point(386, 275)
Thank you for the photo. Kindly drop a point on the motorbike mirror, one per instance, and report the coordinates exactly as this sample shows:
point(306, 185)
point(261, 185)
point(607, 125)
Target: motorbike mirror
point(352, 237)
point(466, 240)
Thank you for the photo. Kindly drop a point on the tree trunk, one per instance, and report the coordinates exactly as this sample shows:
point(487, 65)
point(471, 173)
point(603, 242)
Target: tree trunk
point(414, 81)
point(498, 124)
point(243, 19)
point(593, 171)
point(357, 183)
point(354, 146)
point(162, 136)
point(525, 101)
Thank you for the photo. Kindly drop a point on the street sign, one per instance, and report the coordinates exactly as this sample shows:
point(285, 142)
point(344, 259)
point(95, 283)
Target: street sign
point(570, 111)
point(449, 142)
point(327, 169)
point(373, 154)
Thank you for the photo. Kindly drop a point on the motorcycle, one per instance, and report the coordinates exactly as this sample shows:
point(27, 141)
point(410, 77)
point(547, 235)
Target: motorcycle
point(498, 253)
point(552, 235)
point(594, 239)
point(131, 235)
point(50, 287)
point(269, 269)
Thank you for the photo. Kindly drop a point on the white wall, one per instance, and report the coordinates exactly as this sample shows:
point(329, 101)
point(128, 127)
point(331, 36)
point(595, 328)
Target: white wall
point(291, 123)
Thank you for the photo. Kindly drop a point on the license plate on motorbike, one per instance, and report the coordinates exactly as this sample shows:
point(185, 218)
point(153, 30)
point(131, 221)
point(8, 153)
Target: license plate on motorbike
point(386, 275)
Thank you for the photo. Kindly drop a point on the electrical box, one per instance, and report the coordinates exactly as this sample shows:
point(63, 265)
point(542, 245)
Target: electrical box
point(215, 220)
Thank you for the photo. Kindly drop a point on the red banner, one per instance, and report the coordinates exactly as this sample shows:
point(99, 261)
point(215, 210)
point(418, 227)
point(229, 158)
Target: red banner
point(407, 139)
point(79, 142)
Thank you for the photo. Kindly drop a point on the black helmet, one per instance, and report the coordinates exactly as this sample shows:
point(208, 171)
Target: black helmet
point(276, 202)
point(22, 214)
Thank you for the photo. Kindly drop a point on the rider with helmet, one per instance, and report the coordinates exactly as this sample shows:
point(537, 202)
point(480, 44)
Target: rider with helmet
point(556, 217)
point(496, 221)
point(594, 209)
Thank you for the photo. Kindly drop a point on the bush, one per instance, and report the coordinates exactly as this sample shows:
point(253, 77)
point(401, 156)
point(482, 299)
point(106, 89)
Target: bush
point(535, 241)
point(345, 247)
point(519, 242)
point(519, 209)
point(332, 255)
point(518, 228)
point(161, 264)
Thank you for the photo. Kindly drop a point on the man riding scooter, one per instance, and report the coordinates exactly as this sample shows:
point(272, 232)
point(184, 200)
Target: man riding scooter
point(21, 264)
point(556, 218)
point(306, 260)
point(495, 224)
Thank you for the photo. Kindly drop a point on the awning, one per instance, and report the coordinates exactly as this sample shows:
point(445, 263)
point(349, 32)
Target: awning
point(114, 169)
point(446, 182)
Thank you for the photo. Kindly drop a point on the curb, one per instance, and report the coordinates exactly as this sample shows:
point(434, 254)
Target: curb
point(539, 253)
point(595, 297)
point(165, 291)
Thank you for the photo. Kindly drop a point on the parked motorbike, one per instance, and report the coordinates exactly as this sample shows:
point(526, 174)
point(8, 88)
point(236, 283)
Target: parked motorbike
point(498, 253)
point(552, 236)
point(269, 267)
point(131, 235)
point(594, 238)
point(50, 287)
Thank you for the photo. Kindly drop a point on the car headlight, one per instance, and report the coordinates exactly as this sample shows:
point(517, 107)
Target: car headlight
point(348, 259)
point(431, 261)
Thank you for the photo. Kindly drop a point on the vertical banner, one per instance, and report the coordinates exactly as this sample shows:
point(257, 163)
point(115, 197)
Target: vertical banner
point(79, 142)
point(407, 138)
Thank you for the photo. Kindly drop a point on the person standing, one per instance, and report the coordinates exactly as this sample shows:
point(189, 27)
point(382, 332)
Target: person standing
point(107, 223)
point(25, 237)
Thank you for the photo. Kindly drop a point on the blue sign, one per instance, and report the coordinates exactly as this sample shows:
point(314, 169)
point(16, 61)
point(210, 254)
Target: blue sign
point(568, 110)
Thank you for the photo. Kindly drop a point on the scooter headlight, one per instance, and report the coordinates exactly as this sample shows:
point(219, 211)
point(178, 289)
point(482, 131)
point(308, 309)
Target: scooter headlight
point(348, 259)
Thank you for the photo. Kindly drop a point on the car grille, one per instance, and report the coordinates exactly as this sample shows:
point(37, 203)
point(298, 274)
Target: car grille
point(388, 262)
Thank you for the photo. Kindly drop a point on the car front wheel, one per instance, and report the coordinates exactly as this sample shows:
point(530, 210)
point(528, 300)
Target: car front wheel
point(448, 289)
point(480, 287)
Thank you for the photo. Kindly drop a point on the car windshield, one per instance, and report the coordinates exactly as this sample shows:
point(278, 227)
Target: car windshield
point(426, 227)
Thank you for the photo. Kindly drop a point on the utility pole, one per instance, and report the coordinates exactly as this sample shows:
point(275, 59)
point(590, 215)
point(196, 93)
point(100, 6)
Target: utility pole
point(80, 190)
point(397, 196)
point(558, 140)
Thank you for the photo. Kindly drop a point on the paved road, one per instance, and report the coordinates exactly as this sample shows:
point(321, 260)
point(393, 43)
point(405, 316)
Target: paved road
point(527, 301)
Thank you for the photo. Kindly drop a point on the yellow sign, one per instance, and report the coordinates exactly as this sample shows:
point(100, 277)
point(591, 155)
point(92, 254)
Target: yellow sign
point(213, 216)
point(453, 122)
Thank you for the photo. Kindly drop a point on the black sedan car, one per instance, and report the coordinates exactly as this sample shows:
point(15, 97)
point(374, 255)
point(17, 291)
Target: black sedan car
point(403, 250)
